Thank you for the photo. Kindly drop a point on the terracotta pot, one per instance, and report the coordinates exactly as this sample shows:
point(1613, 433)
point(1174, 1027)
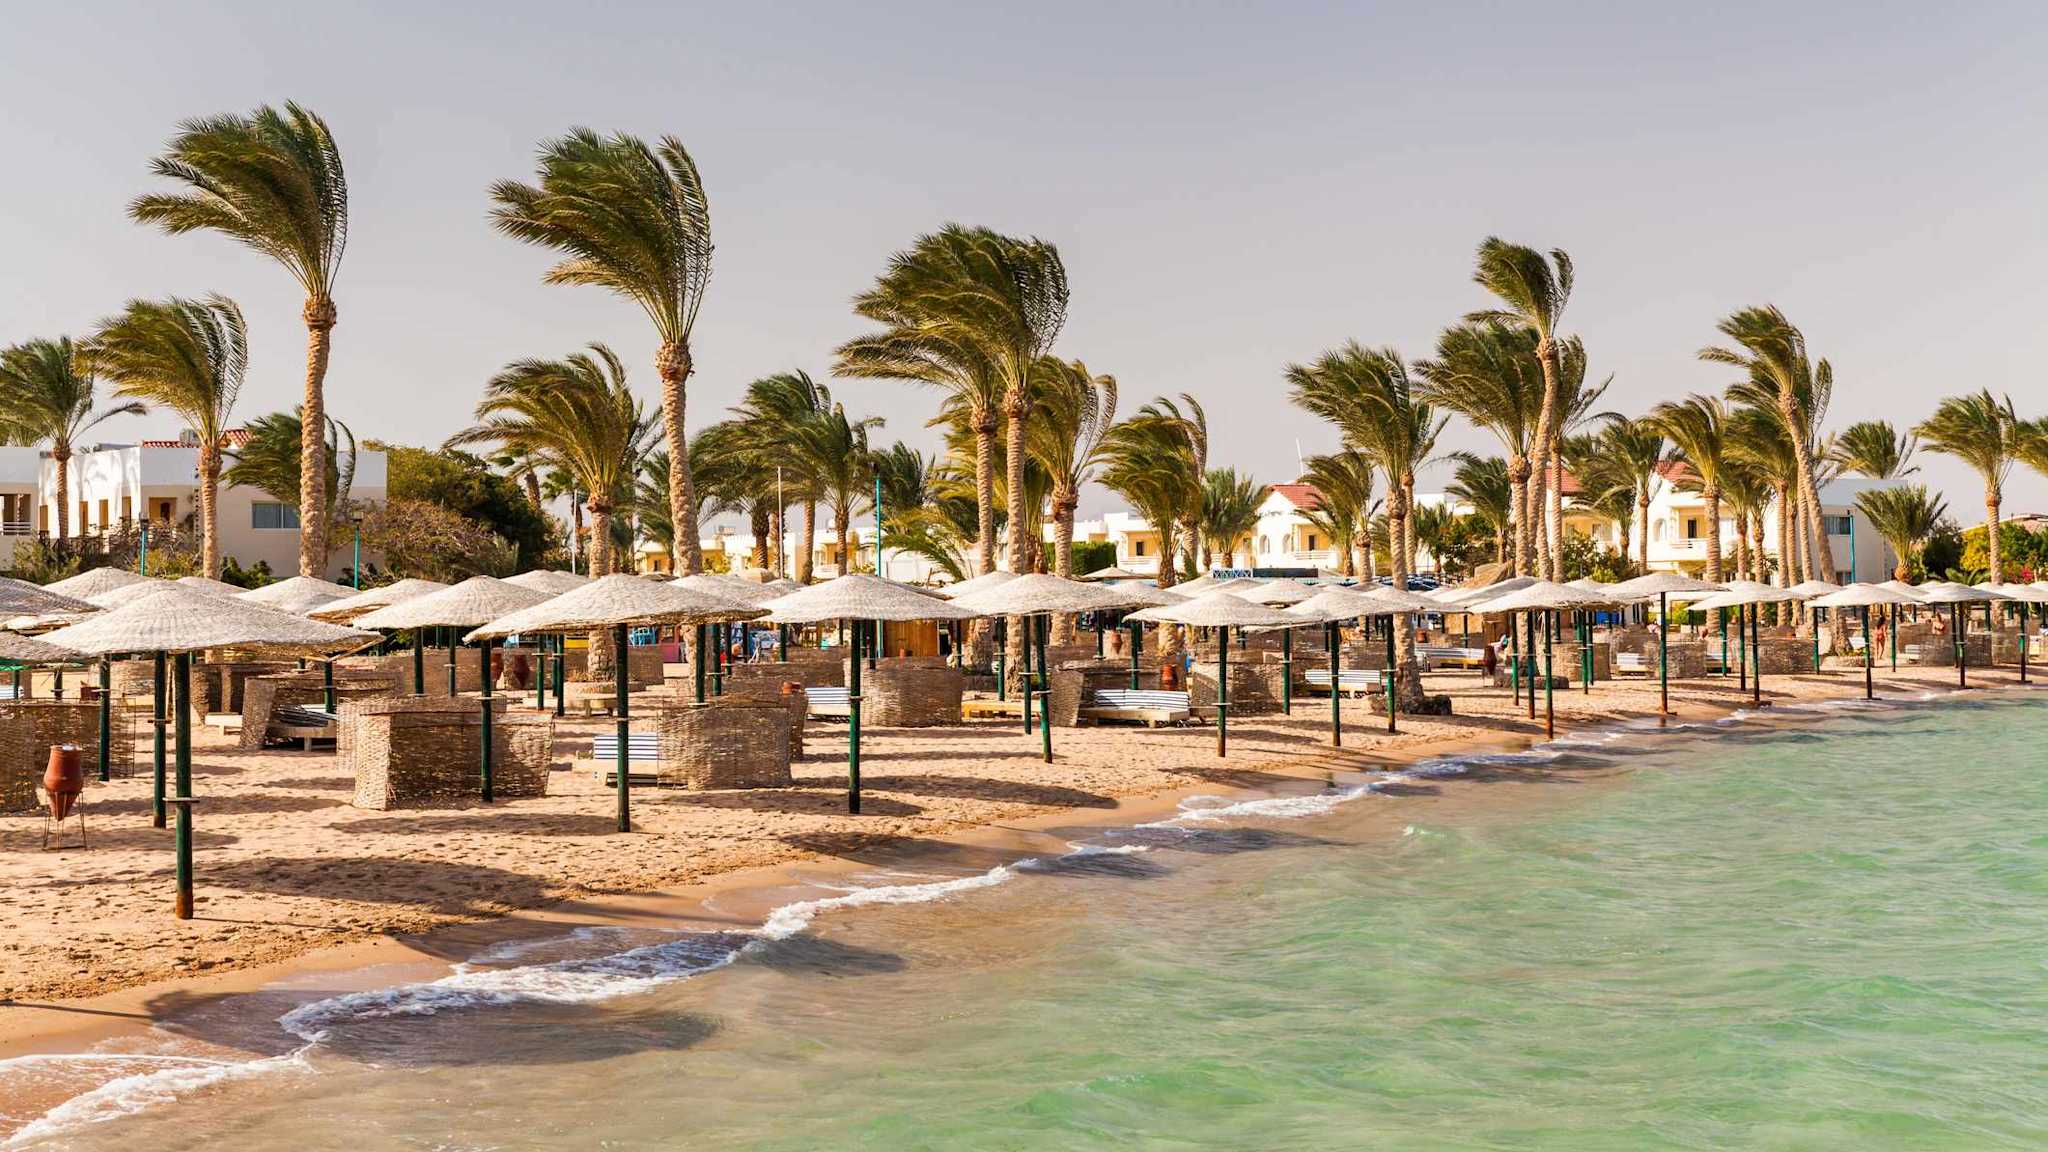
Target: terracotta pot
point(64, 779)
point(792, 688)
point(1169, 677)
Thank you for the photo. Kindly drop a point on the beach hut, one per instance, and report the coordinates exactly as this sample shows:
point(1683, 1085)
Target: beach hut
point(176, 622)
point(1547, 598)
point(471, 604)
point(861, 599)
point(1223, 611)
point(1665, 585)
point(1749, 594)
point(1863, 597)
point(619, 602)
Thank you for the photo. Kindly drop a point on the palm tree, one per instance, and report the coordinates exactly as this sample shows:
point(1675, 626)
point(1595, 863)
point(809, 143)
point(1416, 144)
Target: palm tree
point(1073, 410)
point(1874, 449)
point(1148, 459)
point(1230, 512)
point(836, 450)
point(1696, 427)
point(1490, 374)
point(774, 410)
point(1534, 292)
point(1343, 509)
point(270, 459)
point(46, 393)
point(633, 220)
point(1484, 484)
point(273, 181)
point(579, 414)
point(1905, 515)
point(1371, 398)
point(1606, 485)
point(1638, 452)
point(1746, 493)
point(1759, 444)
point(189, 356)
point(1983, 432)
point(649, 499)
point(1772, 351)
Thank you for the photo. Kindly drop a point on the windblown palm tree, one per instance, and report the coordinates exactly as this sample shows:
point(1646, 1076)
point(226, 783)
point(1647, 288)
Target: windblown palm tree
point(1483, 484)
point(1073, 410)
point(1697, 427)
point(1606, 484)
point(273, 181)
point(1230, 512)
point(1982, 431)
point(1150, 460)
point(1371, 398)
point(269, 461)
point(1639, 452)
point(1490, 374)
point(1905, 516)
point(189, 356)
point(1533, 292)
point(774, 410)
point(835, 448)
point(631, 219)
point(1875, 449)
point(46, 393)
point(1343, 509)
point(1760, 445)
point(1746, 493)
point(578, 414)
point(1772, 351)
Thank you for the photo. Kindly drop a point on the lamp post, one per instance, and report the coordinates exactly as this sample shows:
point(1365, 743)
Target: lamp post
point(358, 522)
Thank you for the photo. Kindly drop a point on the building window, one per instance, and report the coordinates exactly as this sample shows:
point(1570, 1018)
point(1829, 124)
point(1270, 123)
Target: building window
point(266, 514)
point(1137, 547)
point(1311, 541)
point(1692, 529)
point(1836, 525)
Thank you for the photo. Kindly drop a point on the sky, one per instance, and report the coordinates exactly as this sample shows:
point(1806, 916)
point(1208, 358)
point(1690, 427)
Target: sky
point(1233, 188)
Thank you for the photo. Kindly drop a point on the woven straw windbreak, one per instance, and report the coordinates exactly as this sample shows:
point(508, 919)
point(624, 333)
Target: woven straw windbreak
point(412, 753)
point(901, 694)
point(262, 696)
point(735, 743)
point(53, 722)
point(20, 771)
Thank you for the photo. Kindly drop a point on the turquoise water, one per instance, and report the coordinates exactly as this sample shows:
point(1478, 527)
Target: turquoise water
point(1812, 930)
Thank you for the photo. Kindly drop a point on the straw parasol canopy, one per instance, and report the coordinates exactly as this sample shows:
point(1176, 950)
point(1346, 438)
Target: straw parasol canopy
point(21, 598)
point(1944, 592)
point(1200, 586)
point(299, 594)
point(207, 585)
point(1149, 595)
point(1739, 593)
point(782, 585)
point(1541, 596)
point(722, 586)
point(1040, 594)
point(1662, 584)
point(861, 596)
point(115, 597)
point(1276, 593)
point(2023, 593)
point(179, 619)
point(1864, 596)
point(1111, 573)
point(549, 580)
point(619, 599)
point(1217, 609)
point(1588, 584)
point(89, 584)
point(1392, 600)
point(470, 604)
point(370, 599)
point(976, 585)
point(22, 650)
point(1813, 588)
point(1474, 593)
point(1904, 588)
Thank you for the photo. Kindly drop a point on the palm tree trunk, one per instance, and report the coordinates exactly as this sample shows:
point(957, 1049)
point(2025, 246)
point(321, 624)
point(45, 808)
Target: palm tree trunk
point(1555, 519)
point(1017, 515)
point(1785, 541)
point(1172, 646)
point(209, 511)
point(62, 454)
point(1064, 504)
point(1518, 513)
point(1712, 494)
point(320, 316)
point(1546, 431)
point(1992, 500)
point(1643, 517)
point(1809, 492)
point(1741, 545)
point(532, 484)
point(1408, 527)
point(983, 420)
point(672, 363)
point(1624, 526)
point(1539, 540)
point(603, 659)
point(841, 525)
point(757, 523)
point(1407, 675)
point(1756, 547)
point(808, 540)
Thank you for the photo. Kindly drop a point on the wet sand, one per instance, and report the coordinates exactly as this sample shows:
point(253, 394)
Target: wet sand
point(292, 880)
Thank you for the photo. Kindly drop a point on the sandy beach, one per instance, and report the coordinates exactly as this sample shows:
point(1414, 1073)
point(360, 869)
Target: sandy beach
point(290, 875)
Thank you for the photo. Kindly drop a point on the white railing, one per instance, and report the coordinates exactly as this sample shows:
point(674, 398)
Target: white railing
point(16, 528)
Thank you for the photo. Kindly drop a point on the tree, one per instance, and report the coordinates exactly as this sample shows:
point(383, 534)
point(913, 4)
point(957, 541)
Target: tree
point(1484, 484)
point(835, 448)
point(1772, 351)
point(1638, 451)
point(1072, 410)
point(773, 411)
point(1534, 292)
point(188, 356)
point(633, 220)
point(424, 540)
point(1746, 493)
point(1906, 516)
point(1371, 398)
point(270, 459)
point(273, 181)
point(579, 415)
point(1983, 432)
point(1343, 507)
point(1490, 374)
point(1874, 449)
point(1230, 511)
point(47, 393)
point(466, 485)
point(1696, 427)
point(1150, 460)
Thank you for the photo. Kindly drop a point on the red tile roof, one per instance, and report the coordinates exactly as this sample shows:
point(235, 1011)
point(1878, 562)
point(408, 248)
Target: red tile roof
point(233, 438)
point(1303, 496)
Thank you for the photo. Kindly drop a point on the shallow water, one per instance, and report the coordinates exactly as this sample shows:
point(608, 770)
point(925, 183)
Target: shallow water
point(1819, 929)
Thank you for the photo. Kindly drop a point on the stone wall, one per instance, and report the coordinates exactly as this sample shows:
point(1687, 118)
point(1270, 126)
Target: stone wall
point(411, 751)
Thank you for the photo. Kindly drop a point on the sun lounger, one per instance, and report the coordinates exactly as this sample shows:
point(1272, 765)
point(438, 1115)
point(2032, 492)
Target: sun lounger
point(1632, 662)
point(640, 749)
point(7, 692)
point(827, 702)
point(1148, 707)
point(1351, 681)
point(302, 722)
point(975, 709)
point(1439, 656)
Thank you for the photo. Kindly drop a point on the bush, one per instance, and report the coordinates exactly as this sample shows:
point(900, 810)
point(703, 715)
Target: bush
point(465, 485)
point(428, 541)
point(1093, 555)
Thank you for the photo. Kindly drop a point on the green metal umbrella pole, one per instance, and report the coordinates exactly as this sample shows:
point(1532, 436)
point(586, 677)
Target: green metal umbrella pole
point(419, 663)
point(1137, 646)
point(1869, 687)
point(158, 718)
point(1044, 626)
point(327, 684)
point(561, 676)
point(2023, 642)
point(697, 663)
point(1722, 613)
point(106, 719)
point(450, 637)
point(1813, 616)
point(483, 663)
point(1549, 708)
point(183, 843)
point(621, 721)
point(1756, 654)
point(1393, 679)
point(853, 727)
point(1528, 657)
point(1002, 655)
point(1336, 645)
point(1223, 690)
point(1287, 672)
point(1955, 616)
point(1663, 654)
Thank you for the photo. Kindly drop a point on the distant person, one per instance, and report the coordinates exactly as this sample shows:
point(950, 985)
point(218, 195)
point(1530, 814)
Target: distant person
point(1489, 662)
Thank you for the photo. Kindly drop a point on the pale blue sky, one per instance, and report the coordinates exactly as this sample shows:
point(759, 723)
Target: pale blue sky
point(1233, 187)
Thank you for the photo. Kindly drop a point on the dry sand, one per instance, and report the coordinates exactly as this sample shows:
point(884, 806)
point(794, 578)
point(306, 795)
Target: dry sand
point(285, 866)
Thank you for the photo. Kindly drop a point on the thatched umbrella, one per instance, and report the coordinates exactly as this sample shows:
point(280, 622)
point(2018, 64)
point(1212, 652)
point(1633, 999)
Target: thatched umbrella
point(1036, 599)
point(474, 602)
point(297, 594)
point(93, 582)
point(1955, 596)
point(204, 584)
point(1329, 607)
point(2023, 595)
point(974, 585)
point(1812, 590)
point(1545, 597)
point(553, 581)
point(1223, 611)
point(549, 580)
point(1665, 585)
point(1278, 593)
point(181, 621)
point(1862, 597)
point(24, 605)
point(864, 600)
point(348, 608)
point(1741, 594)
point(1111, 573)
point(619, 602)
point(1200, 586)
point(711, 635)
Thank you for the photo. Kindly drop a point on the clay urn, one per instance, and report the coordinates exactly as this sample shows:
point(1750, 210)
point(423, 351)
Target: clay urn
point(64, 779)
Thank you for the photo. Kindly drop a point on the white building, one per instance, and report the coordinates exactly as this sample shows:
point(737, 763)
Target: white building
point(113, 486)
point(1678, 529)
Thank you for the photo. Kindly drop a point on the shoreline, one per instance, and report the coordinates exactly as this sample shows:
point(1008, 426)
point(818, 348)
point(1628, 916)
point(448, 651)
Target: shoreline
point(743, 896)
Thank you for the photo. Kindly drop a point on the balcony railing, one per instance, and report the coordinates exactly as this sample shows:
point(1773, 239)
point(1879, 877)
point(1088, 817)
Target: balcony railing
point(16, 528)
